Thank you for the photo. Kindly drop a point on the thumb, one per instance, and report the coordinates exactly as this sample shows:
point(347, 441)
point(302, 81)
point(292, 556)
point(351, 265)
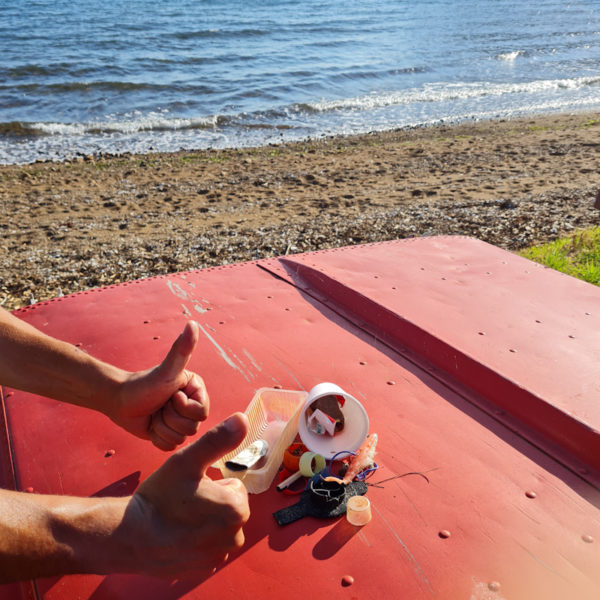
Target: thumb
point(181, 351)
point(215, 443)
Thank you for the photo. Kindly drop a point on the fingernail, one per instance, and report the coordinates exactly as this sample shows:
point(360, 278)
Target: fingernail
point(232, 424)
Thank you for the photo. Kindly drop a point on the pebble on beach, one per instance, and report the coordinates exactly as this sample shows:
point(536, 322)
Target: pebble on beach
point(73, 226)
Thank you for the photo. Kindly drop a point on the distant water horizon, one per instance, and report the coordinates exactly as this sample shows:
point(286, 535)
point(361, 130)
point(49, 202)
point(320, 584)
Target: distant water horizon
point(91, 77)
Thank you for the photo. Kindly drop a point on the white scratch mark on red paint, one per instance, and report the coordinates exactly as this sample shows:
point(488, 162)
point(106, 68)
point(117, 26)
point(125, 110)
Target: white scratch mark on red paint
point(177, 290)
point(300, 386)
point(541, 562)
point(415, 565)
point(222, 352)
point(363, 537)
point(251, 359)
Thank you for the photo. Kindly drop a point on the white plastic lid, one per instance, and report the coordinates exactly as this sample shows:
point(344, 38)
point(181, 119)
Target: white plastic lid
point(356, 424)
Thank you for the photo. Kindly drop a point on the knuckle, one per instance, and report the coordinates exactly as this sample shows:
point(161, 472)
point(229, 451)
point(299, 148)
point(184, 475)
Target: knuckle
point(180, 425)
point(237, 511)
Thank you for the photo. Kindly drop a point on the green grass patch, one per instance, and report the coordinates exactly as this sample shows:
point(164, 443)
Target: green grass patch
point(204, 158)
point(539, 128)
point(591, 123)
point(577, 255)
point(191, 158)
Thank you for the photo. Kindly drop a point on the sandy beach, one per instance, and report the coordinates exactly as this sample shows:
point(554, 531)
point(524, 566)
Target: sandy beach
point(100, 220)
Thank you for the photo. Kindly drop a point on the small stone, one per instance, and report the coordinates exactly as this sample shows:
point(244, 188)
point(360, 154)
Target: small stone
point(347, 580)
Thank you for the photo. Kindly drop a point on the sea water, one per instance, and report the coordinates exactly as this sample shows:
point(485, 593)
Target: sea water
point(133, 76)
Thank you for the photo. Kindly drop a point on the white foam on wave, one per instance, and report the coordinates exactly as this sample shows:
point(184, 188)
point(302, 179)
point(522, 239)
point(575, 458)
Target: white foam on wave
point(510, 56)
point(126, 124)
point(431, 103)
point(445, 92)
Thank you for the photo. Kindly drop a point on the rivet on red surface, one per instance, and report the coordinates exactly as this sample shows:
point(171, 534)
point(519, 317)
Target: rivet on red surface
point(537, 321)
point(572, 337)
point(444, 534)
point(390, 382)
point(110, 452)
point(481, 332)
point(494, 586)
point(29, 490)
point(393, 287)
point(269, 297)
point(287, 309)
point(277, 386)
point(221, 322)
point(362, 362)
point(9, 394)
point(156, 337)
point(347, 580)
point(588, 313)
point(146, 322)
point(78, 345)
point(588, 539)
point(530, 494)
point(512, 350)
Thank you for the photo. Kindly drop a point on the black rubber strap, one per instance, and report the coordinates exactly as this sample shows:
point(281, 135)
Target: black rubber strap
point(291, 513)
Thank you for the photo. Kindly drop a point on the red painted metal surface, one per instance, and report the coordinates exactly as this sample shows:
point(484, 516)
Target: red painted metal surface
point(476, 367)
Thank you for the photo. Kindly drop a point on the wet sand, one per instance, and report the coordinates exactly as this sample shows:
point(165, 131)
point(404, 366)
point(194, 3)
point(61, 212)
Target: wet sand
point(95, 221)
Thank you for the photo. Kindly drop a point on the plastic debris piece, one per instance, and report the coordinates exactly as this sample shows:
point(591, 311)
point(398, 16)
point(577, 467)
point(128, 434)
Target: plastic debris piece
point(325, 505)
point(248, 457)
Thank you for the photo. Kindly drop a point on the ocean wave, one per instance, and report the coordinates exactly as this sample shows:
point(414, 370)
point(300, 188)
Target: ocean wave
point(85, 86)
point(212, 33)
point(365, 74)
point(290, 116)
point(16, 129)
point(446, 92)
point(510, 56)
point(128, 125)
point(33, 70)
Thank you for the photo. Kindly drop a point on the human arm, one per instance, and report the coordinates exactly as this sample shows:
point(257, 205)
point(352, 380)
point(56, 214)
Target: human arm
point(178, 522)
point(164, 404)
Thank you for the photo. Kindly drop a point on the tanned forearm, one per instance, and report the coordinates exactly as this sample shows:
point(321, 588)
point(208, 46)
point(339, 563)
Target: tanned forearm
point(178, 521)
point(37, 363)
point(42, 536)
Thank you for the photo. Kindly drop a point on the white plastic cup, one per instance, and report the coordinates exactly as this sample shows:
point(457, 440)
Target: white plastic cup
point(356, 424)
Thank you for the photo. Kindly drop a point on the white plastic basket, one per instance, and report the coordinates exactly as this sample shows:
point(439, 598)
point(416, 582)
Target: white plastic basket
point(273, 416)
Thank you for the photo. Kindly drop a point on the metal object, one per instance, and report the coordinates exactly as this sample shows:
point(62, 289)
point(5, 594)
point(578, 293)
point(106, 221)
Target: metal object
point(474, 365)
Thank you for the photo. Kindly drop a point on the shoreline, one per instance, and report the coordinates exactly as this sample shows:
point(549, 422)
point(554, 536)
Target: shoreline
point(95, 221)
